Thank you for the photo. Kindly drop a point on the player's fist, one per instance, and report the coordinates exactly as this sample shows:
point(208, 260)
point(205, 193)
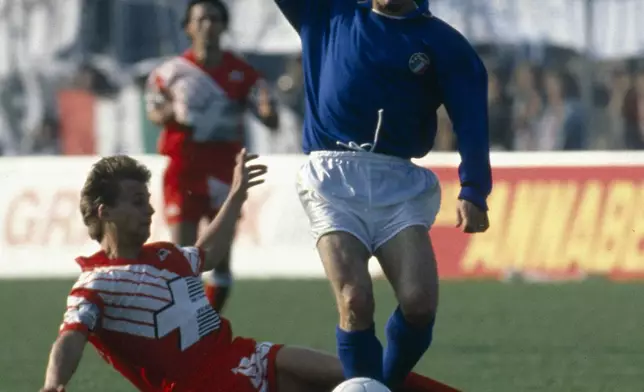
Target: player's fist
point(470, 218)
point(246, 175)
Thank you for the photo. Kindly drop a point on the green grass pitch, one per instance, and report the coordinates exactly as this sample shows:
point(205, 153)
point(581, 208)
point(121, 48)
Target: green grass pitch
point(489, 336)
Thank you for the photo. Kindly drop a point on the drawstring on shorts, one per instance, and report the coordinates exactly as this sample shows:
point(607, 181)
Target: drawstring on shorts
point(365, 147)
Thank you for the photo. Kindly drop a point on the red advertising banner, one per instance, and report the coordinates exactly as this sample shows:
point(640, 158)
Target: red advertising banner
point(549, 222)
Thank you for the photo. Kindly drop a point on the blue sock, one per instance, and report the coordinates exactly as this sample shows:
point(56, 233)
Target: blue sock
point(406, 344)
point(360, 353)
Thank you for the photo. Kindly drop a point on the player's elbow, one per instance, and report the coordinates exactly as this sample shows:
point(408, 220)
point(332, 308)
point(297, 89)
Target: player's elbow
point(71, 341)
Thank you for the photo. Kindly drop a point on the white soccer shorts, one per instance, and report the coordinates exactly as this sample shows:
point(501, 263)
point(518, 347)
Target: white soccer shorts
point(369, 195)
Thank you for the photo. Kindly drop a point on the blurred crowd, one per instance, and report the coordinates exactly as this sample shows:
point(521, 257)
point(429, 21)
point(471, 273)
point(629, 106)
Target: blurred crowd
point(541, 98)
point(541, 105)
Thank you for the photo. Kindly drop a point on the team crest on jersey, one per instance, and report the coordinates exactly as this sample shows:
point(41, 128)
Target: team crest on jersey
point(418, 63)
point(236, 76)
point(163, 254)
point(255, 367)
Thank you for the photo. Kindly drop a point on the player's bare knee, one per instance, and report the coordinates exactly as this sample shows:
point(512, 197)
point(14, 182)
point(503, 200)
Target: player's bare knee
point(418, 307)
point(356, 307)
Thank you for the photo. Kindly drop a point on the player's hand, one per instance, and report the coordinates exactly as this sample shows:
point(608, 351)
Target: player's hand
point(470, 218)
point(181, 113)
point(162, 110)
point(175, 108)
point(246, 176)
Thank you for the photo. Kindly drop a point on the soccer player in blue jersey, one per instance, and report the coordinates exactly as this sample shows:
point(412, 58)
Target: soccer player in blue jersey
point(375, 74)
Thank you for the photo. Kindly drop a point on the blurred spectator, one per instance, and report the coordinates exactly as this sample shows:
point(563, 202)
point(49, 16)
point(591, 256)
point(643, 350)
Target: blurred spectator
point(608, 117)
point(500, 118)
point(634, 114)
point(44, 139)
point(290, 91)
point(527, 105)
point(620, 84)
point(561, 125)
point(8, 144)
point(291, 85)
point(90, 78)
point(27, 99)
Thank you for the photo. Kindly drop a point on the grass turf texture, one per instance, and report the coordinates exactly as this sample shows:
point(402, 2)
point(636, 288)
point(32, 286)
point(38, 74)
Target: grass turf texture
point(489, 336)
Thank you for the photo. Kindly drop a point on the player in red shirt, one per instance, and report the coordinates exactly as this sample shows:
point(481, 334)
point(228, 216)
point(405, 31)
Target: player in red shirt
point(200, 99)
point(144, 309)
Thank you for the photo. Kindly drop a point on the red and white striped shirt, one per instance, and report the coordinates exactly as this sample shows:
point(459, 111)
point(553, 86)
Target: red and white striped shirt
point(149, 318)
point(217, 97)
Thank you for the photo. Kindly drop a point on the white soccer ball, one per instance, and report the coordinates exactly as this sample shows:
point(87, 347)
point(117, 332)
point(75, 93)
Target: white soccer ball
point(361, 384)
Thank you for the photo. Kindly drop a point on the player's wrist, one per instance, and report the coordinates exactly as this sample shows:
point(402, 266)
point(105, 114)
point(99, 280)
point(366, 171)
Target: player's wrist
point(236, 199)
point(474, 196)
point(58, 387)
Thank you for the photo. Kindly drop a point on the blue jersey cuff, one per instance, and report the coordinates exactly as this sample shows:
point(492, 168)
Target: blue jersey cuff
point(473, 196)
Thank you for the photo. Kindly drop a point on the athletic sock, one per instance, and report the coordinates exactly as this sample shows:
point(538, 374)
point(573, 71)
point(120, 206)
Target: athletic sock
point(360, 353)
point(406, 344)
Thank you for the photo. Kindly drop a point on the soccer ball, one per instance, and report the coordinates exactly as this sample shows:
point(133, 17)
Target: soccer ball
point(361, 384)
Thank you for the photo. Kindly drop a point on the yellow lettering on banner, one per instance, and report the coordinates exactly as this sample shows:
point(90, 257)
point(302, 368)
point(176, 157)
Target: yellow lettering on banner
point(482, 249)
point(582, 233)
point(633, 256)
point(550, 231)
point(528, 203)
point(613, 227)
point(449, 197)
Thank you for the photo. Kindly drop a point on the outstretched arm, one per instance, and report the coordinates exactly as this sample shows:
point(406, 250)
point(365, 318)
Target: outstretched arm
point(221, 231)
point(64, 358)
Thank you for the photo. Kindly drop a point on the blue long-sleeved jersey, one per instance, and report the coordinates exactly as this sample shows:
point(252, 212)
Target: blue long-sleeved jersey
point(357, 61)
